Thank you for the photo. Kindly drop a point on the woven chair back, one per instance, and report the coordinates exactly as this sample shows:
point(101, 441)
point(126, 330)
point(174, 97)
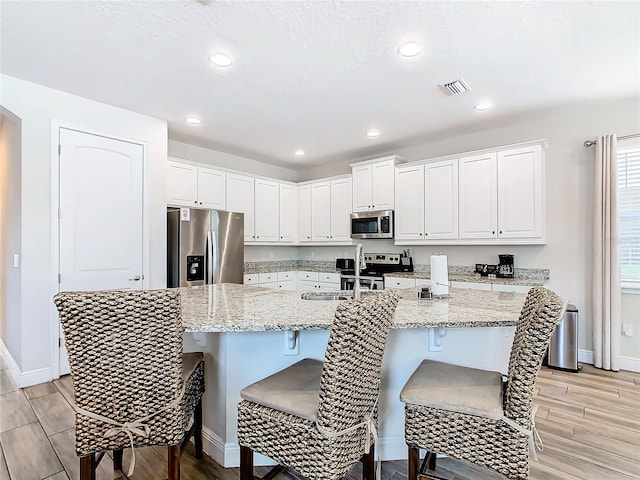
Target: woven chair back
point(125, 354)
point(350, 381)
point(541, 312)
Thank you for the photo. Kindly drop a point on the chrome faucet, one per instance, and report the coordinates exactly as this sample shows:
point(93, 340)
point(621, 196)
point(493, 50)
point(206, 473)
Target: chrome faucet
point(360, 264)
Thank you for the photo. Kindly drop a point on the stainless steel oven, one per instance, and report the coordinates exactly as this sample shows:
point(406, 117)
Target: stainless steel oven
point(377, 224)
point(348, 282)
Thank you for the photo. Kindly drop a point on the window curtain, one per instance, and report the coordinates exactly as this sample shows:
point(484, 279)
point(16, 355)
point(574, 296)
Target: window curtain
point(606, 264)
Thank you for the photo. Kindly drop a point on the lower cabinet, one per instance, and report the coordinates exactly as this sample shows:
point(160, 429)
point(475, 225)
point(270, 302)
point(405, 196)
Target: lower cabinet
point(318, 281)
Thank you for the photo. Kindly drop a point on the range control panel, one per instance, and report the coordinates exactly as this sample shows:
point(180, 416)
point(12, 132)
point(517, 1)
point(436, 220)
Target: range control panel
point(383, 258)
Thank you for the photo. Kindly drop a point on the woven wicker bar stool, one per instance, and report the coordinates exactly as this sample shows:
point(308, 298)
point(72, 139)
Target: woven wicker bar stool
point(472, 414)
point(320, 418)
point(132, 384)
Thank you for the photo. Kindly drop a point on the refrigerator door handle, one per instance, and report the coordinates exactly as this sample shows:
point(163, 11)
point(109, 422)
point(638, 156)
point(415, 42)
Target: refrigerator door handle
point(213, 254)
point(210, 260)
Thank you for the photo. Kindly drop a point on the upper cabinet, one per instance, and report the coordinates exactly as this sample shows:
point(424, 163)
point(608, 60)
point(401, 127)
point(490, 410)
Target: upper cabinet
point(288, 212)
point(324, 210)
point(192, 186)
point(373, 184)
point(266, 211)
point(240, 198)
point(502, 194)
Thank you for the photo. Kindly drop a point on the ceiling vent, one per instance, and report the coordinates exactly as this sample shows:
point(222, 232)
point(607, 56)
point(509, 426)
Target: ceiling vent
point(456, 87)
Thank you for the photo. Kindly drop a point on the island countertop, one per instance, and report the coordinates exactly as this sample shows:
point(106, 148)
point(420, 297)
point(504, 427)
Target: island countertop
point(231, 307)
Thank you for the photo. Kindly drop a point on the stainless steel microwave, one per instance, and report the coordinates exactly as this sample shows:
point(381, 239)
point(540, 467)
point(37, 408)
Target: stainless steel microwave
point(372, 224)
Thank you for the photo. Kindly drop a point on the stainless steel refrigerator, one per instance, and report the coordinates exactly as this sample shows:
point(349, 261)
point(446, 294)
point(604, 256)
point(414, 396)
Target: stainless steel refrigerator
point(204, 246)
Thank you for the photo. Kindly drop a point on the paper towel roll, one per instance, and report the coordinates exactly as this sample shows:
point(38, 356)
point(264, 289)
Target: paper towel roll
point(439, 275)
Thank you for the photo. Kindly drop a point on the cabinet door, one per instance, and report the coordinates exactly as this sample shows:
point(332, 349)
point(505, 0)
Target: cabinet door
point(308, 286)
point(409, 221)
point(304, 213)
point(399, 282)
point(362, 188)
point(341, 210)
point(211, 188)
point(288, 213)
point(321, 211)
point(441, 200)
point(478, 196)
point(182, 184)
point(240, 199)
point(266, 210)
point(520, 193)
point(383, 190)
point(287, 286)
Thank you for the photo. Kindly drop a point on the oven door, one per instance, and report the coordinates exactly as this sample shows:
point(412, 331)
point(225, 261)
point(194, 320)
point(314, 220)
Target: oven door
point(347, 282)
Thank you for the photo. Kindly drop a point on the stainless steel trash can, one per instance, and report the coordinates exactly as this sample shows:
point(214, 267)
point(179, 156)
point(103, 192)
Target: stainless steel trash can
point(563, 348)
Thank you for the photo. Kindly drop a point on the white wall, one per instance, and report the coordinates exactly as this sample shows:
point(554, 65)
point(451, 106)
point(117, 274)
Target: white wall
point(10, 238)
point(37, 108)
point(232, 162)
point(569, 185)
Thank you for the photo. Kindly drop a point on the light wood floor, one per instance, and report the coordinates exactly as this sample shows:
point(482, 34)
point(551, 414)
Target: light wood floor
point(589, 422)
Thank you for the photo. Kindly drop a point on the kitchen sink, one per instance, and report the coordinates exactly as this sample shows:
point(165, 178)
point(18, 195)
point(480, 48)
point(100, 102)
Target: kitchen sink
point(311, 296)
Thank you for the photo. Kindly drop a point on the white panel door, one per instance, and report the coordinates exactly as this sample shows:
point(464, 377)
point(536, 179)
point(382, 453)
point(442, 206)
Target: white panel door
point(321, 211)
point(304, 213)
point(362, 188)
point(240, 199)
point(267, 228)
point(478, 215)
point(288, 212)
point(182, 184)
point(100, 217)
point(441, 200)
point(341, 210)
point(383, 191)
point(520, 193)
point(409, 221)
point(212, 189)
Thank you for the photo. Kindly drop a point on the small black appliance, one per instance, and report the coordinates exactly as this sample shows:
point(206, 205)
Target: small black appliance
point(505, 267)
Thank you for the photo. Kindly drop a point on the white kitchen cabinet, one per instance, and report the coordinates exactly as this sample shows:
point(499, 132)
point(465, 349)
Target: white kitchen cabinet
point(409, 214)
point(304, 213)
point(287, 276)
point(423, 282)
point(321, 211)
point(271, 277)
point(288, 212)
point(304, 276)
point(373, 184)
point(340, 225)
point(271, 285)
point(521, 193)
point(289, 286)
point(502, 194)
point(478, 202)
point(266, 211)
point(251, 279)
point(333, 278)
point(192, 186)
point(427, 201)
point(240, 198)
point(308, 286)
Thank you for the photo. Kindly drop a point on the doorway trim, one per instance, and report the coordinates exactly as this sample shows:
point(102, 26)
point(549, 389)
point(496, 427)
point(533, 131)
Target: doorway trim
point(56, 125)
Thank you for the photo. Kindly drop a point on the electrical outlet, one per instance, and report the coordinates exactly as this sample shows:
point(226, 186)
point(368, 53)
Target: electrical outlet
point(627, 330)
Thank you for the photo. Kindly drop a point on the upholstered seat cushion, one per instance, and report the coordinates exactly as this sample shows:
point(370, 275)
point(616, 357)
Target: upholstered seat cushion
point(294, 390)
point(189, 363)
point(455, 388)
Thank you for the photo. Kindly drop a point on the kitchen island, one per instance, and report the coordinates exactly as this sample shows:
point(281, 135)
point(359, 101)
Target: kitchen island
point(248, 333)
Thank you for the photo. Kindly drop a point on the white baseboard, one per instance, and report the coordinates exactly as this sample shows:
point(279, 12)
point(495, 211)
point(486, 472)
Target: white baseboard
point(626, 363)
point(20, 378)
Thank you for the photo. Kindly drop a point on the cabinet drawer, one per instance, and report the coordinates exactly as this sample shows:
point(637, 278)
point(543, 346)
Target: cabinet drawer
point(423, 282)
point(288, 285)
point(313, 276)
point(251, 279)
point(283, 276)
point(399, 282)
point(329, 286)
point(329, 277)
point(268, 277)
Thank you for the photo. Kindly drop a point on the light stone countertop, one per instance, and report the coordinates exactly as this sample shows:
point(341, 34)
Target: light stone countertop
point(231, 307)
point(529, 282)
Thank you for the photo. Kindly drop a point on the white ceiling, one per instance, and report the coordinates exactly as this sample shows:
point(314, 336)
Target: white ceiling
point(317, 75)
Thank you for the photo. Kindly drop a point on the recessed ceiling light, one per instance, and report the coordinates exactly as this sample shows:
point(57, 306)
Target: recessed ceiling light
point(300, 153)
point(220, 59)
point(410, 49)
point(373, 133)
point(193, 120)
point(483, 106)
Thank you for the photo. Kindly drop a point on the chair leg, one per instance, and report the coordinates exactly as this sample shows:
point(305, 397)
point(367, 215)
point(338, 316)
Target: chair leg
point(88, 467)
point(414, 463)
point(173, 462)
point(430, 460)
point(369, 465)
point(117, 459)
point(197, 433)
point(246, 463)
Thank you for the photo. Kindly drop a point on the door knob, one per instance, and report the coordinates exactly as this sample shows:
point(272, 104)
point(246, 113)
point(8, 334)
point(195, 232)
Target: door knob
point(135, 278)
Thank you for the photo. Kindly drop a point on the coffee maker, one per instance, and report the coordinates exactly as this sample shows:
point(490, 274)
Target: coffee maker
point(505, 267)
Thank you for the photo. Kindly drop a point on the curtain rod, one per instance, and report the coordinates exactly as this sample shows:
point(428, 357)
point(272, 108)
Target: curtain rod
point(591, 143)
